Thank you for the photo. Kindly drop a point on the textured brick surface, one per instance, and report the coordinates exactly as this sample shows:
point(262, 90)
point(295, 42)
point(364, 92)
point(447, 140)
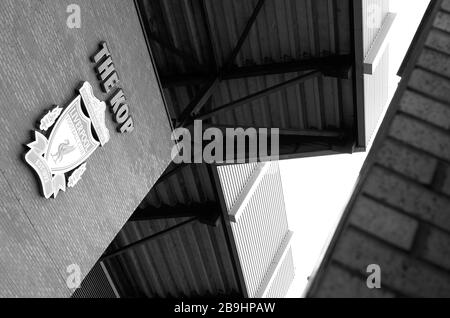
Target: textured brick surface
point(341, 283)
point(437, 248)
point(409, 197)
point(435, 61)
point(431, 84)
point(439, 41)
point(407, 161)
point(446, 5)
point(384, 222)
point(442, 21)
point(426, 109)
point(399, 217)
point(445, 188)
point(422, 136)
point(398, 270)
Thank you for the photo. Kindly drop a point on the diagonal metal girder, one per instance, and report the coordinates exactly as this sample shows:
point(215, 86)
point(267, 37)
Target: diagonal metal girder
point(200, 210)
point(146, 240)
point(334, 66)
point(205, 94)
point(268, 91)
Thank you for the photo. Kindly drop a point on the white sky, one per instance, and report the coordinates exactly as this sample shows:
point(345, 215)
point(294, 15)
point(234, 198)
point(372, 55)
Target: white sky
point(318, 189)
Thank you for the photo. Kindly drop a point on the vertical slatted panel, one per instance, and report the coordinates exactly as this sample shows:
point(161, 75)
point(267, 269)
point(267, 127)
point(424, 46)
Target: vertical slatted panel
point(376, 90)
point(283, 278)
point(262, 226)
point(377, 84)
point(374, 12)
point(233, 180)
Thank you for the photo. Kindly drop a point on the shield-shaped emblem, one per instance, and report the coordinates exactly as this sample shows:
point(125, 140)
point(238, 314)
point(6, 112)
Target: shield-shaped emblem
point(71, 141)
point(77, 133)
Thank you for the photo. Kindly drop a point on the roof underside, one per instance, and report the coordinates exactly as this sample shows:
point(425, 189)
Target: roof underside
point(197, 259)
point(191, 260)
point(193, 40)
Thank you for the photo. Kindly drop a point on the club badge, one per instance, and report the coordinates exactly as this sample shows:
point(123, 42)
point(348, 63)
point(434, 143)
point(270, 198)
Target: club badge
point(78, 130)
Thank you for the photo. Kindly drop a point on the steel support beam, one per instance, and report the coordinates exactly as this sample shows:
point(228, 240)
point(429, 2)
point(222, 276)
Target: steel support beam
point(334, 66)
point(206, 213)
point(164, 44)
point(174, 50)
point(285, 132)
point(146, 240)
point(197, 104)
point(185, 80)
point(244, 35)
point(205, 94)
point(170, 171)
point(211, 39)
point(290, 147)
point(258, 95)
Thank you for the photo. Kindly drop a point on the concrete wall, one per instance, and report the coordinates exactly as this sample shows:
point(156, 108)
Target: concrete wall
point(42, 62)
point(399, 215)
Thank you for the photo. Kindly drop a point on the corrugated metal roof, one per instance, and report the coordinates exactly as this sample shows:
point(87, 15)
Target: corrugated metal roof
point(193, 260)
point(191, 184)
point(310, 105)
point(188, 262)
point(284, 31)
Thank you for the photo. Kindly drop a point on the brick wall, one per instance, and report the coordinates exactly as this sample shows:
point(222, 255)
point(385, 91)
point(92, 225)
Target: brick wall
point(399, 215)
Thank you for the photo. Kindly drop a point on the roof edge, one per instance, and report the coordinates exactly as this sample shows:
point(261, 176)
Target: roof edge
point(356, 14)
point(418, 37)
point(232, 247)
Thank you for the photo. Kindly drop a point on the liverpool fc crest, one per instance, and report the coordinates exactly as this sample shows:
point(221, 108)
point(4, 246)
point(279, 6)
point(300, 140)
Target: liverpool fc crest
point(78, 130)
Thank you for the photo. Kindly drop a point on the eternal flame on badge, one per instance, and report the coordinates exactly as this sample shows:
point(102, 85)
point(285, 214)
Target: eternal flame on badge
point(78, 130)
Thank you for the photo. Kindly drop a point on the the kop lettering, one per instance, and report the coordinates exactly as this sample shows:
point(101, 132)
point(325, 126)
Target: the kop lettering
point(109, 80)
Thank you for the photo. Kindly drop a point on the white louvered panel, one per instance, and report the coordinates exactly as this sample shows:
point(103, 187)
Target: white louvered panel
point(376, 87)
point(284, 277)
point(233, 180)
point(374, 12)
point(261, 228)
